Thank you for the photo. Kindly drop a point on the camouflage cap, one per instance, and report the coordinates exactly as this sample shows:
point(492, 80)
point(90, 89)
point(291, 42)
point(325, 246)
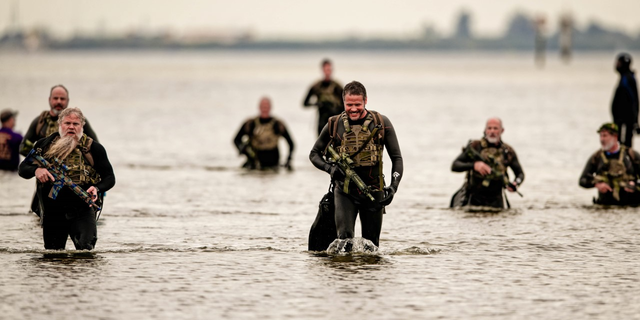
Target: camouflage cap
point(609, 126)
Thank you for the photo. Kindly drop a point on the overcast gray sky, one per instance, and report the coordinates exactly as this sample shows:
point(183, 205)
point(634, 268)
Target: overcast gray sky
point(312, 19)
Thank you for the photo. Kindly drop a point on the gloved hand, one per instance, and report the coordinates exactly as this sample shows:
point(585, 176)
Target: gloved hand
point(389, 192)
point(336, 173)
point(512, 187)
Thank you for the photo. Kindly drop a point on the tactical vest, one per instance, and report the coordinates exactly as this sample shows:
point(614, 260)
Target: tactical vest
point(614, 172)
point(80, 163)
point(357, 138)
point(46, 125)
point(350, 142)
point(326, 95)
point(264, 136)
point(496, 159)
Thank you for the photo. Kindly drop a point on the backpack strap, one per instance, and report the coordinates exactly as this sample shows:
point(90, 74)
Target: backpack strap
point(86, 151)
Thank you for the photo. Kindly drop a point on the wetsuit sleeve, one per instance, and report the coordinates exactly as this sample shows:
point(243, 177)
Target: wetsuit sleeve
point(311, 93)
point(31, 136)
point(316, 154)
point(393, 149)
point(238, 139)
point(587, 179)
point(517, 169)
point(103, 167)
point(27, 168)
point(462, 163)
point(286, 136)
point(89, 131)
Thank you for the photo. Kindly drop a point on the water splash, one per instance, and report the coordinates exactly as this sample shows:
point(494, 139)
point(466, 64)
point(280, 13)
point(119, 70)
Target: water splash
point(351, 245)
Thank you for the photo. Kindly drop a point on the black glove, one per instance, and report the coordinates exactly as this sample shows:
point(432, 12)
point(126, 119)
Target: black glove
point(388, 195)
point(512, 186)
point(336, 173)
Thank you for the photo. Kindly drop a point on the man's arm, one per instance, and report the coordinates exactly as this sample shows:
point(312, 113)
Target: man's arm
point(316, 154)
point(517, 169)
point(286, 136)
point(237, 141)
point(393, 149)
point(89, 131)
point(587, 178)
point(462, 163)
point(103, 167)
point(311, 93)
point(29, 138)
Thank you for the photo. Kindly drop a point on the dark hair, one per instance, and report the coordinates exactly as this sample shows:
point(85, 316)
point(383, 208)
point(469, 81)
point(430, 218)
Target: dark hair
point(325, 62)
point(354, 88)
point(59, 86)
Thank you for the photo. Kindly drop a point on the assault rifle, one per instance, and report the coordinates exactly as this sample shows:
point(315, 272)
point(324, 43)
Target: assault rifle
point(252, 159)
point(496, 173)
point(59, 172)
point(345, 163)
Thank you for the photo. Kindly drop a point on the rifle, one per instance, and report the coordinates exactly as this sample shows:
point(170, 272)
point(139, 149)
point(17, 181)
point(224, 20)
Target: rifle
point(495, 174)
point(345, 163)
point(252, 159)
point(59, 171)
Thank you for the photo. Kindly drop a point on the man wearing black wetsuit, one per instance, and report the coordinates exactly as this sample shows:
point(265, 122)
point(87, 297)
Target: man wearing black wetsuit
point(362, 135)
point(328, 96)
point(258, 139)
point(624, 107)
point(612, 170)
point(486, 162)
point(63, 213)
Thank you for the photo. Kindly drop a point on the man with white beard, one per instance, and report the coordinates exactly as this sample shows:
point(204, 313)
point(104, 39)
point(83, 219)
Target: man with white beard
point(47, 122)
point(612, 170)
point(486, 162)
point(64, 214)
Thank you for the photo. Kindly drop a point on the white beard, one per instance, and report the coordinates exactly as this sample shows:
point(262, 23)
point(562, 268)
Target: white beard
point(493, 140)
point(608, 146)
point(62, 147)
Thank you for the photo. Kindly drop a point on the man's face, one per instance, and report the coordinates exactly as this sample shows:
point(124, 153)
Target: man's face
point(327, 69)
point(493, 131)
point(607, 140)
point(71, 125)
point(58, 100)
point(354, 106)
point(265, 108)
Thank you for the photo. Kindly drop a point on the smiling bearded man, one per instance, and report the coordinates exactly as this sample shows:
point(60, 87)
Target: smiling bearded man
point(361, 135)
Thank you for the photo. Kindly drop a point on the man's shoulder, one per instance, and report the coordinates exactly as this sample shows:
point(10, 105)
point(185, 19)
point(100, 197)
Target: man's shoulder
point(508, 147)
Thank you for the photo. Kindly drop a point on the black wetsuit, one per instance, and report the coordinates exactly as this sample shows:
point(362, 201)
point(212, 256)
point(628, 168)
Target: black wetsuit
point(624, 107)
point(266, 158)
point(347, 206)
point(596, 166)
point(325, 109)
point(68, 215)
point(33, 136)
point(473, 192)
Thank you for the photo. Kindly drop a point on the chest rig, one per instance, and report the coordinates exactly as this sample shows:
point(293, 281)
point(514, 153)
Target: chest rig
point(495, 158)
point(614, 172)
point(326, 96)
point(359, 142)
point(264, 136)
point(46, 125)
point(80, 163)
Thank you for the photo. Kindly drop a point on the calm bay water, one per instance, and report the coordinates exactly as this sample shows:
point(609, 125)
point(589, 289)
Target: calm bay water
point(186, 234)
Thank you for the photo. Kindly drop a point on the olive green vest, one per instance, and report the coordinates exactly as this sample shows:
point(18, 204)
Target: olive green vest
point(264, 136)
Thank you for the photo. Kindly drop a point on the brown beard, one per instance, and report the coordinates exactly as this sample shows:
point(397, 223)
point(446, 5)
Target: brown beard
point(62, 147)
